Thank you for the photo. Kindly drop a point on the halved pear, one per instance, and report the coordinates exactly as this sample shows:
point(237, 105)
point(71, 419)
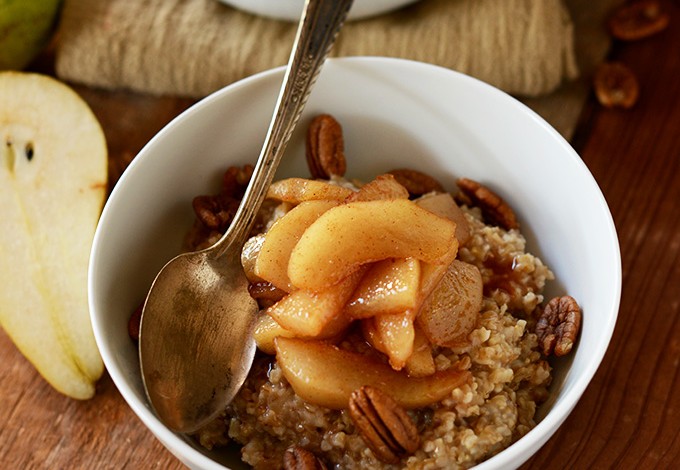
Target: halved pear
point(297, 190)
point(325, 375)
point(25, 30)
point(389, 286)
point(53, 165)
point(352, 234)
point(451, 311)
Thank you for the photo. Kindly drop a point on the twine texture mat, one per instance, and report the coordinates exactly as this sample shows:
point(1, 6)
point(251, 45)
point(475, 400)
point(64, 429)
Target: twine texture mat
point(194, 47)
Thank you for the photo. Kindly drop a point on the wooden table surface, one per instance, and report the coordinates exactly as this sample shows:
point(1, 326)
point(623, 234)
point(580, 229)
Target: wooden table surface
point(629, 417)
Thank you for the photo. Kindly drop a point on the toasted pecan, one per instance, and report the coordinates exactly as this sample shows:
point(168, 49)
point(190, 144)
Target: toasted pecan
point(384, 425)
point(416, 182)
point(638, 20)
point(616, 85)
point(299, 458)
point(494, 208)
point(558, 326)
point(325, 148)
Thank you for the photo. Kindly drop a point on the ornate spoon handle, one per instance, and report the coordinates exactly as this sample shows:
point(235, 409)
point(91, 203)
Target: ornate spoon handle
point(316, 34)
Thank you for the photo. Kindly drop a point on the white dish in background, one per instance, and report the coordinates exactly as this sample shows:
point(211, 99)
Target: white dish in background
point(292, 9)
point(395, 113)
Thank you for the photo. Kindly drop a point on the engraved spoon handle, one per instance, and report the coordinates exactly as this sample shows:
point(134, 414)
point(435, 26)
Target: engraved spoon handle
point(321, 22)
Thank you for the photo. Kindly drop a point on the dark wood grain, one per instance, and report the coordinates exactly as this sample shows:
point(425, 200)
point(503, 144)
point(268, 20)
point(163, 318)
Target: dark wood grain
point(629, 417)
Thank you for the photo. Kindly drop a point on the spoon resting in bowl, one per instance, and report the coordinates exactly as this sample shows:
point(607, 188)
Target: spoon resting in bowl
point(195, 343)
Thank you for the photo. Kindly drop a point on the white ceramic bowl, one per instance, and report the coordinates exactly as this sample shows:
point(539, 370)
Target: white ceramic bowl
point(291, 10)
point(395, 113)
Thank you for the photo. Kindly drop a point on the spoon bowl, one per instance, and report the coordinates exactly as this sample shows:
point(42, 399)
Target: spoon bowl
point(195, 342)
point(210, 323)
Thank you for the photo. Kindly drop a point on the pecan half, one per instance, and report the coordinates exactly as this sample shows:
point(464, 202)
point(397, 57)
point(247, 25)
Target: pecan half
point(558, 326)
point(209, 212)
point(235, 180)
point(638, 20)
point(616, 86)
point(384, 425)
point(416, 183)
point(493, 207)
point(298, 458)
point(216, 211)
point(325, 148)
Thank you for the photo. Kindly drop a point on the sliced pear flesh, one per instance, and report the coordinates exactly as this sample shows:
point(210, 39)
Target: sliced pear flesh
point(443, 205)
point(249, 253)
point(383, 187)
point(389, 286)
point(308, 313)
point(451, 312)
point(393, 335)
point(266, 330)
point(52, 185)
point(421, 362)
point(352, 234)
point(376, 257)
point(271, 263)
point(326, 375)
point(297, 190)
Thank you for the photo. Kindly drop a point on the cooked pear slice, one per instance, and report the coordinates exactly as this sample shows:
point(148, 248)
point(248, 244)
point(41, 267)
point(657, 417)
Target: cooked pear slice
point(443, 205)
point(451, 312)
point(397, 334)
point(432, 273)
point(314, 314)
point(382, 187)
point(249, 253)
point(297, 190)
point(421, 362)
point(325, 375)
point(266, 330)
point(392, 335)
point(52, 187)
point(352, 234)
point(271, 263)
point(389, 286)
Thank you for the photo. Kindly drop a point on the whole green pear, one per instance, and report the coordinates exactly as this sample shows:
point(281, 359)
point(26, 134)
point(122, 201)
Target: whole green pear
point(26, 27)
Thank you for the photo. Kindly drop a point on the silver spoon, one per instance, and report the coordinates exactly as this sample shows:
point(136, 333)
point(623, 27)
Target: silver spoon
point(195, 344)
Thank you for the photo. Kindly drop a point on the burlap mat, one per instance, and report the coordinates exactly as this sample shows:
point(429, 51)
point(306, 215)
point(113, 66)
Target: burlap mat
point(193, 47)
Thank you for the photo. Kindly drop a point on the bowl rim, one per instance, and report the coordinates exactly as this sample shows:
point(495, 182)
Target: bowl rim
point(284, 10)
point(536, 437)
